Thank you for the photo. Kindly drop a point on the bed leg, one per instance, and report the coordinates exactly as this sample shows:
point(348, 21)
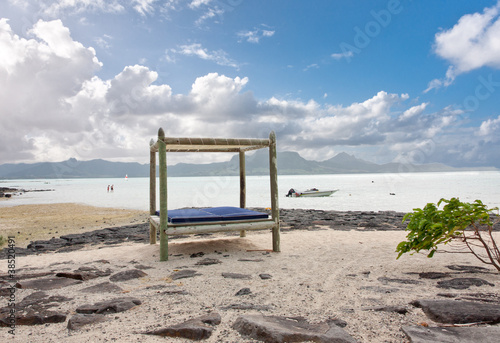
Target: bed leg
point(162, 157)
point(243, 233)
point(273, 173)
point(152, 234)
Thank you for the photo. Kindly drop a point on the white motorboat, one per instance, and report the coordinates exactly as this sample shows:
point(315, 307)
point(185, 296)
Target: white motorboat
point(313, 192)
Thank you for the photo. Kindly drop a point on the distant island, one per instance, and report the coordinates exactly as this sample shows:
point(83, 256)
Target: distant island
point(289, 163)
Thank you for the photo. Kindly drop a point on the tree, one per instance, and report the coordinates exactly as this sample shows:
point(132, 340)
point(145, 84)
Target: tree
point(468, 227)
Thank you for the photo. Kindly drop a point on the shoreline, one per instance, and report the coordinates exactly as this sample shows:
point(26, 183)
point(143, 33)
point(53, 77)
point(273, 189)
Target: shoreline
point(30, 223)
point(69, 227)
point(56, 227)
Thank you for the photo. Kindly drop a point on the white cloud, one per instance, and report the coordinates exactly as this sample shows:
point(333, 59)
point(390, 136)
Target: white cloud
point(56, 8)
point(55, 107)
point(59, 8)
point(215, 88)
point(36, 77)
point(144, 7)
point(311, 66)
point(413, 112)
point(357, 122)
point(198, 3)
point(347, 55)
point(219, 56)
point(103, 42)
point(473, 43)
point(209, 14)
point(490, 130)
point(254, 36)
point(57, 38)
point(211, 11)
point(132, 92)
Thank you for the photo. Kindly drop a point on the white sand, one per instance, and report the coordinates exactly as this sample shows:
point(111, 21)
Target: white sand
point(318, 275)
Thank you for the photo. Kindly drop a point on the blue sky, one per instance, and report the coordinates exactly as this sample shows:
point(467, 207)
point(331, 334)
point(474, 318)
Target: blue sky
point(393, 80)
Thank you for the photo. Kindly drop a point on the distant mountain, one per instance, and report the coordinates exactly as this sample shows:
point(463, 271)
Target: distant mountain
point(289, 163)
point(72, 168)
point(345, 163)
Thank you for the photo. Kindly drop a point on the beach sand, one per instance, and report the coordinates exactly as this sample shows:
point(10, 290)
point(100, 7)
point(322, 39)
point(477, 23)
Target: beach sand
point(35, 222)
point(319, 274)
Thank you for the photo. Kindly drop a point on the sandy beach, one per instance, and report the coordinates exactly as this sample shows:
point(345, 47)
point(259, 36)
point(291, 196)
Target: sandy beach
point(44, 221)
point(320, 274)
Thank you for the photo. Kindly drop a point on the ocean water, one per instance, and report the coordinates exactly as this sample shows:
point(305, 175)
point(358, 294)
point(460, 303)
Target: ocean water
point(357, 192)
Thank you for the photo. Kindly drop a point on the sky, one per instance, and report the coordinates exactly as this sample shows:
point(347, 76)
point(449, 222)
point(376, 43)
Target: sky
point(384, 80)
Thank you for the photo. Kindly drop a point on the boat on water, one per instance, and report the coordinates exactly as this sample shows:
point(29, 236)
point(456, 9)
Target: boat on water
point(313, 192)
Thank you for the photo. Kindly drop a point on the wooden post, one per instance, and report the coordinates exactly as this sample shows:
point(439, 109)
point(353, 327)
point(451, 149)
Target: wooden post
point(243, 187)
point(162, 155)
point(152, 191)
point(273, 173)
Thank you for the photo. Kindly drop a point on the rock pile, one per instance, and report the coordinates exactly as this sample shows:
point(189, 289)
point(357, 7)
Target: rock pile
point(481, 310)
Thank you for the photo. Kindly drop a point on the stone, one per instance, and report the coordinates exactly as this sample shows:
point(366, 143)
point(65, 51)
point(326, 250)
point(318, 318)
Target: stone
point(105, 287)
point(173, 292)
point(433, 275)
point(111, 306)
point(49, 283)
point(114, 235)
point(195, 329)
point(244, 291)
point(483, 297)
point(236, 276)
point(248, 306)
point(85, 273)
point(24, 276)
point(459, 312)
point(47, 245)
point(370, 224)
point(386, 280)
point(6, 290)
point(208, 261)
point(36, 318)
point(420, 334)
point(94, 270)
point(127, 275)
point(468, 269)
point(378, 289)
point(35, 310)
point(79, 320)
point(265, 276)
point(396, 309)
point(183, 274)
point(463, 283)
point(277, 329)
point(142, 267)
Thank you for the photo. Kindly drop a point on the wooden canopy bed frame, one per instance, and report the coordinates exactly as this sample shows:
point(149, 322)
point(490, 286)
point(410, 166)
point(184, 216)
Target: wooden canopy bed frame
point(159, 219)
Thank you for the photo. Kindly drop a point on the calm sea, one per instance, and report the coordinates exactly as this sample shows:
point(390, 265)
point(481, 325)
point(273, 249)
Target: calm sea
point(366, 192)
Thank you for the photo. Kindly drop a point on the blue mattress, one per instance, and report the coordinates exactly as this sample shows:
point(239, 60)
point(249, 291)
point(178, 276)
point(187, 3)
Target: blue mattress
point(212, 214)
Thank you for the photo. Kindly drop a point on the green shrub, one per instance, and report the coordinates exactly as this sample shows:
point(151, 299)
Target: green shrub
point(466, 225)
